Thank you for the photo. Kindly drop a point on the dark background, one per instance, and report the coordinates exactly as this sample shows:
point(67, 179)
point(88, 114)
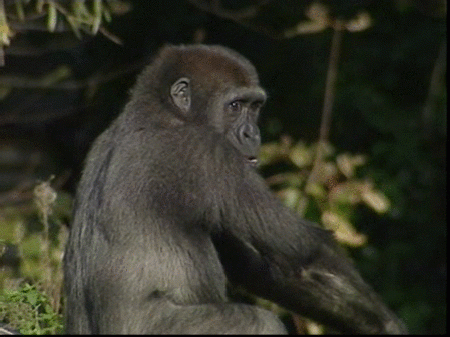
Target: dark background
point(385, 107)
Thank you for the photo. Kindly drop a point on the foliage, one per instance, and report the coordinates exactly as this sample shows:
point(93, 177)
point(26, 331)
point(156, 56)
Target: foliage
point(332, 196)
point(37, 251)
point(29, 311)
point(55, 15)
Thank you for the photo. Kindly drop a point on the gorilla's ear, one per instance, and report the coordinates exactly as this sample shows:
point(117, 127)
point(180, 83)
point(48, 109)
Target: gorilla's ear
point(180, 92)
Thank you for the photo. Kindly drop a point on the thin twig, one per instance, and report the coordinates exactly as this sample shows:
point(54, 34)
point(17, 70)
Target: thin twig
point(433, 89)
point(330, 89)
point(330, 86)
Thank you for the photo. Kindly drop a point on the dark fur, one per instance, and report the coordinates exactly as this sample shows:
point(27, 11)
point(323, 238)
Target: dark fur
point(168, 207)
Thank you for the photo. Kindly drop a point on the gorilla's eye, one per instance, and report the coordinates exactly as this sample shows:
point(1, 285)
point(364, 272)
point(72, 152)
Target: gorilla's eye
point(235, 106)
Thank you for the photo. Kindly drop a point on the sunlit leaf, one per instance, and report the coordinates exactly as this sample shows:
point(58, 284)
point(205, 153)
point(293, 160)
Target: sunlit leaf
point(326, 148)
point(20, 10)
point(359, 159)
point(270, 152)
point(97, 16)
point(302, 204)
point(301, 155)
point(345, 165)
point(80, 10)
point(316, 190)
point(292, 179)
point(40, 6)
point(317, 12)
point(327, 170)
point(314, 328)
point(345, 193)
point(119, 7)
point(306, 27)
point(343, 229)
point(362, 21)
point(376, 200)
point(52, 17)
point(290, 196)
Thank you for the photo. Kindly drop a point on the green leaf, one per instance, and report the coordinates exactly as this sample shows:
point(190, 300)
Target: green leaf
point(343, 229)
point(290, 196)
point(301, 155)
point(327, 170)
point(32, 298)
point(346, 193)
point(376, 200)
point(52, 17)
point(348, 163)
point(269, 153)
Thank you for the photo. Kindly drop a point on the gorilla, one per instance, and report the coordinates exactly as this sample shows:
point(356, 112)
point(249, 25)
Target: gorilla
point(170, 208)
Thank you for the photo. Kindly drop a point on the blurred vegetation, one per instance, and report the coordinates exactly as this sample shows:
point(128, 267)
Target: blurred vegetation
point(29, 311)
point(355, 129)
point(333, 197)
point(37, 246)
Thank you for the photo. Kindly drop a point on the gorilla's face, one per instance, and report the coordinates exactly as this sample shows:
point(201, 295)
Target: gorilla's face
point(233, 111)
point(241, 115)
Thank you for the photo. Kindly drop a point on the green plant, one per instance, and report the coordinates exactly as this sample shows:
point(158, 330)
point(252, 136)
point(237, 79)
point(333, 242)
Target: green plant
point(331, 194)
point(29, 311)
point(37, 248)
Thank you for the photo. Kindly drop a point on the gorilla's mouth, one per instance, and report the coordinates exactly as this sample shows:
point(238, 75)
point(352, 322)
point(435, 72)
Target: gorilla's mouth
point(253, 161)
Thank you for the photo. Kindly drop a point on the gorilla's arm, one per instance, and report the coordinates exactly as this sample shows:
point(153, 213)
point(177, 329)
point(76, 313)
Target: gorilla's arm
point(334, 296)
point(263, 245)
point(276, 255)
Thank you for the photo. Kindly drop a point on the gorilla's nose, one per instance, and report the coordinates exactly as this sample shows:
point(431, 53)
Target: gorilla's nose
point(249, 132)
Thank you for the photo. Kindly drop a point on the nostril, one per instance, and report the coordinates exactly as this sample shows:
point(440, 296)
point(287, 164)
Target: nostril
point(247, 131)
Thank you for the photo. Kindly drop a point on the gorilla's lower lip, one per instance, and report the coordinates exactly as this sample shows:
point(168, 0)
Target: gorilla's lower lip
point(252, 160)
